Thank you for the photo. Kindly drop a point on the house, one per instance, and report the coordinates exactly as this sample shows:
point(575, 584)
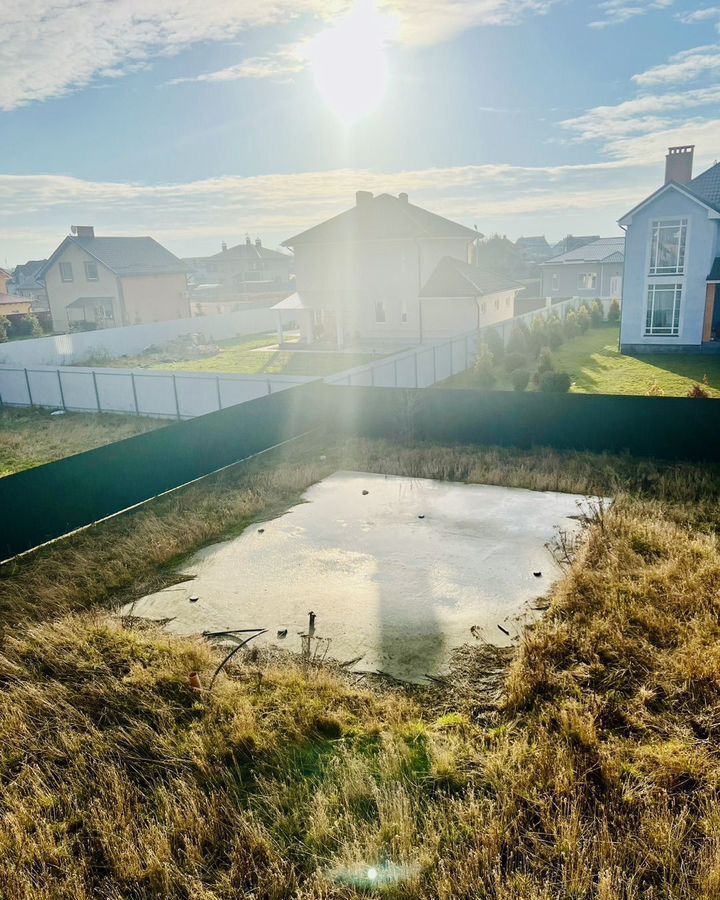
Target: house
point(672, 262)
point(242, 272)
point(572, 242)
point(534, 249)
point(25, 283)
point(590, 270)
point(103, 282)
point(11, 306)
point(5, 277)
point(389, 273)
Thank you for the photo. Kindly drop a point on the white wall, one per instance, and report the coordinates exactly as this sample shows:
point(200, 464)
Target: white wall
point(135, 391)
point(65, 349)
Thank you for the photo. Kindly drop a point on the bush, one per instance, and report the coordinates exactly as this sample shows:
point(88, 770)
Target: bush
point(570, 326)
point(26, 325)
point(514, 361)
point(4, 325)
point(546, 363)
point(494, 342)
point(554, 382)
point(484, 364)
point(538, 334)
point(614, 312)
point(519, 342)
point(698, 392)
point(597, 313)
point(554, 332)
point(583, 319)
point(655, 390)
point(520, 379)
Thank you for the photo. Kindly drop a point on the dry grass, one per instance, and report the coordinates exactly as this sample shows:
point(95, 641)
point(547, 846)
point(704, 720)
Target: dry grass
point(32, 437)
point(598, 776)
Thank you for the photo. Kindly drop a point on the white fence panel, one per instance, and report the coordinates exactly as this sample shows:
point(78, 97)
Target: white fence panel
point(45, 388)
point(116, 391)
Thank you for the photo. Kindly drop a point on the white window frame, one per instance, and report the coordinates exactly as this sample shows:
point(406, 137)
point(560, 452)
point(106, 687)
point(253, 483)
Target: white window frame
point(88, 263)
point(649, 330)
point(554, 282)
point(587, 281)
point(656, 225)
point(380, 305)
point(66, 269)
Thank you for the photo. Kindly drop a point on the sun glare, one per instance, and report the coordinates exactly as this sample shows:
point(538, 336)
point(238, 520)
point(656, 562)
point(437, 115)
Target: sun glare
point(349, 62)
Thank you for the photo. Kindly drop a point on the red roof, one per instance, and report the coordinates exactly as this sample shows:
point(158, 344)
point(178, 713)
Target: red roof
point(13, 298)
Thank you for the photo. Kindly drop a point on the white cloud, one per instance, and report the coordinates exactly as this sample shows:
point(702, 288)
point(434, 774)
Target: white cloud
point(615, 12)
point(49, 48)
point(705, 14)
point(287, 60)
point(683, 67)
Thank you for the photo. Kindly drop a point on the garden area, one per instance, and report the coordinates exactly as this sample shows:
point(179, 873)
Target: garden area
point(580, 353)
point(17, 328)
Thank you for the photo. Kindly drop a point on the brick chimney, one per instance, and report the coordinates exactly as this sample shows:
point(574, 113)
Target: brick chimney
point(258, 243)
point(678, 164)
point(362, 197)
point(223, 246)
point(83, 231)
point(403, 197)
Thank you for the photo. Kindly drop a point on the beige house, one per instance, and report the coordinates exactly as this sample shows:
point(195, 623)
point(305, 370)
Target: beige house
point(104, 282)
point(389, 273)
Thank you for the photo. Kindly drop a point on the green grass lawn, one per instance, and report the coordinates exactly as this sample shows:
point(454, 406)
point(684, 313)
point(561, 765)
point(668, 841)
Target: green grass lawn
point(596, 366)
point(239, 356)
point(31, 437)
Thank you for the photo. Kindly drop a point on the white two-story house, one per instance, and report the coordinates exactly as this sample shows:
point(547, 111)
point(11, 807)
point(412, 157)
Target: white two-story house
point(672, 264)
point(387, 272)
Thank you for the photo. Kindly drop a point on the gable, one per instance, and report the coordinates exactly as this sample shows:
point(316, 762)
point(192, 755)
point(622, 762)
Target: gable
point(671, 190)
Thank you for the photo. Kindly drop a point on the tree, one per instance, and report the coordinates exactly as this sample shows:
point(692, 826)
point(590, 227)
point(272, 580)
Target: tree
point(484, 367)
point(614, 312)
point(4, 325)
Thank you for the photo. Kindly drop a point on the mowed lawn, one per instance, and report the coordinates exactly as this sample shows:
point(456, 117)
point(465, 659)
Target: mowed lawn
point(31, 437)
point(240, 356)
point(597, 367)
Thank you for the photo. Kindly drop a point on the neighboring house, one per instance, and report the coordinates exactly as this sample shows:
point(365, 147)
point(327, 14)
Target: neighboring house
point(572, 242)
point(672, 262)
point(534, 249)
point(103, 282)
point(25, 283)
point(5, 277)
point(236, 272)
point(11, 306)
point(379, 274)
point(591, 270)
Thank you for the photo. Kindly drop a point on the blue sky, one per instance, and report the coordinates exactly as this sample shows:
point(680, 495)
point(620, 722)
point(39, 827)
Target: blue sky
point(197, 121)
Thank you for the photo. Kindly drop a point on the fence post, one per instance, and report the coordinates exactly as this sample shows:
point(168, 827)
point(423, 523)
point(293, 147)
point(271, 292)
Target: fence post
point(217, 382)
point(134, 390)
point(27, 382)
point(177, 400)
point(415, 357)
point(269, 386)
point(372, 374)
point(467, 352)
point(62, 393)
point(434, 381)
point(395, 371)
point(97, 393)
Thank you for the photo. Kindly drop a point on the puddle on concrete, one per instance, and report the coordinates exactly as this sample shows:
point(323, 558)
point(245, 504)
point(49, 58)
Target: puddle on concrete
point(398, 576)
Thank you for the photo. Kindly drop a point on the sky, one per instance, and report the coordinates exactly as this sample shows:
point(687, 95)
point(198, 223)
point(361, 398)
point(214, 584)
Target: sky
point(201, 121)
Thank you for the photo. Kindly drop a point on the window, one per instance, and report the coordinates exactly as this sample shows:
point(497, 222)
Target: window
point(587, 281)
point(380, 316)
point(667, 247)
point(483, 308)
point(663, 309)
point(91, 271)
point(555, 283)
point(507, 301)
point(497, 303)
point(404, 314)
point(66, 272)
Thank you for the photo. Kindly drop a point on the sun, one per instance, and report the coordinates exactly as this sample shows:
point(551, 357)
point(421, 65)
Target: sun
point(349, 61)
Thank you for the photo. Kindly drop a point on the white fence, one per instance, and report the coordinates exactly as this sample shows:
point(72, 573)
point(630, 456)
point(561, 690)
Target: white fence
point(178, 395)
point(81, 347)
point(429, 364)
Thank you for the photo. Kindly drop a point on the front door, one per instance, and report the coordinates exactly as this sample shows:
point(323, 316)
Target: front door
point(616, 286)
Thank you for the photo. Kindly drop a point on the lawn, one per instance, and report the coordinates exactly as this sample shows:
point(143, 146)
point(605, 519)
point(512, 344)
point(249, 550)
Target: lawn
point(31, 437)
point(592, 774)
point(240, 356)
point(597, 367)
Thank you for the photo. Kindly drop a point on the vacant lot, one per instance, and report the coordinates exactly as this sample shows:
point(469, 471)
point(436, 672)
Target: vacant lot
point(591, 774)
point(241, 356)
point(596, 366)
point(31, 437)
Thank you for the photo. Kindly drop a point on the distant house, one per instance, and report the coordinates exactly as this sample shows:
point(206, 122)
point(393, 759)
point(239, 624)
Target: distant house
point(11, 306)
point(103, 282)
point(25, 283)
point(387, 272)
point(591, 270)
point(240, 273)
point(572, 242)
point(5, 277)
point(534, 249)
point(672, 262)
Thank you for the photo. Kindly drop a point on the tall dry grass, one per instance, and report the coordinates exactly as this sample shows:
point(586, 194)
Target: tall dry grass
point(597, 776)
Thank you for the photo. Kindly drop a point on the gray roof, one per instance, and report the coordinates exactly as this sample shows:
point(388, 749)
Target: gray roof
point(25, 275)
point(611, 250)
point(706, 186)
point(124, 255)
point(382, 218)
point(249, 250)
point(455, 278)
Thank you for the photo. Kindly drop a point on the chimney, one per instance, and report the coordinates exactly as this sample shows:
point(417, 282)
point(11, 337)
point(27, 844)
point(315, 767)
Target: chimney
point(362, 197)
point(678, 164)
point(83, 231)
point(223, 246)
point(247, 240)
point(258, 243)
point(403, 197)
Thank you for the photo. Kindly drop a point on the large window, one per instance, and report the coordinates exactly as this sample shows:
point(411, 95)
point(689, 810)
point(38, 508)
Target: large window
point(663, 309)
point(66, 272)
point(587, 281)
point(667, 247)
